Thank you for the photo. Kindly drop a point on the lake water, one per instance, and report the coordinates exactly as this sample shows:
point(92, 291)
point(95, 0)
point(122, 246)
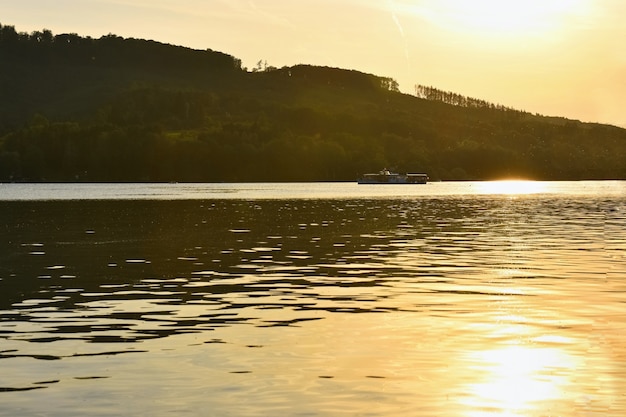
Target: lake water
point(336, 299)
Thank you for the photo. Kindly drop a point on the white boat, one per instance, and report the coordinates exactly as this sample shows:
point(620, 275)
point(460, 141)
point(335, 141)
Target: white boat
point(387, 177)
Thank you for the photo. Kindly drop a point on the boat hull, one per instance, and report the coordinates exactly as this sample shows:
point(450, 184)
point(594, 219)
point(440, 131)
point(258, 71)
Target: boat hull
point(392, 178)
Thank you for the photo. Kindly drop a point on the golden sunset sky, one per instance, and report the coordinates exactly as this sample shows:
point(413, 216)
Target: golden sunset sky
point(553, 57)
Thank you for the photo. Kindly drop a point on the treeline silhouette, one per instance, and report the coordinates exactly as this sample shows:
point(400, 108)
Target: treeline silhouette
point(44, 48)
point(449, 97)
point(114, 109)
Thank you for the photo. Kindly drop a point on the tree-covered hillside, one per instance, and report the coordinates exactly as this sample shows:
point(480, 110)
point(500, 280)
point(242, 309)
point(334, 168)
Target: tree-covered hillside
point(114, 109)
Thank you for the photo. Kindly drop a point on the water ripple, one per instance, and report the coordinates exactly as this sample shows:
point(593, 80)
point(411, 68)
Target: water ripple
point(312, 298)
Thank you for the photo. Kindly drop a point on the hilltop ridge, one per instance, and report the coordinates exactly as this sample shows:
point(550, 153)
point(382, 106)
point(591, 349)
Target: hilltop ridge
point(114, 109)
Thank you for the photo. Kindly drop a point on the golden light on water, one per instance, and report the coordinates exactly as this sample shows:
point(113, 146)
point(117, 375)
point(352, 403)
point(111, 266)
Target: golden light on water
point(516, 378)
point(512, 187)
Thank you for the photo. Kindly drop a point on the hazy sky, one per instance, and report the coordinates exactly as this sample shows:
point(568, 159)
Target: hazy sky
point(554, 57)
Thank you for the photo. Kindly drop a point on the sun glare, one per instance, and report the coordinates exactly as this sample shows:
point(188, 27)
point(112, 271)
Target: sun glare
point(517, 378)
point(503, 17)
point(512, 187)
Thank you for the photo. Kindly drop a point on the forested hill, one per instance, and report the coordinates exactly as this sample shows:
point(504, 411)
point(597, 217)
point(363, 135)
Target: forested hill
point(75, 108)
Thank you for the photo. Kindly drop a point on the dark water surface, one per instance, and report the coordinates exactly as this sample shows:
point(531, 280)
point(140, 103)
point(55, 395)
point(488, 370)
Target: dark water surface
point(313, 300)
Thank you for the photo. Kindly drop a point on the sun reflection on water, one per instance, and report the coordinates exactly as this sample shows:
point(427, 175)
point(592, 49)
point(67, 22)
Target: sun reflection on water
point(512, 187)
point(517, 379)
